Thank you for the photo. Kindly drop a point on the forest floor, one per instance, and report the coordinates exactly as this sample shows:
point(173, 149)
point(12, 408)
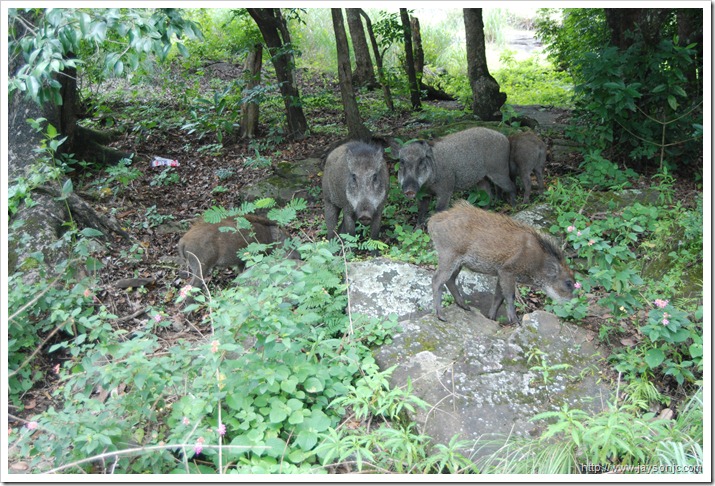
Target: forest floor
point(157, 206)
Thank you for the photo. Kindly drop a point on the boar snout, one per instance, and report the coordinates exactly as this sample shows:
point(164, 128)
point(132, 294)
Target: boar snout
point(410, 187)
point(562, 292)
point(365, 218)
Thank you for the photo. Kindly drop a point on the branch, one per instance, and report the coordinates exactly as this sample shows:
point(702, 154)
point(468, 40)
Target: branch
point(127, 452)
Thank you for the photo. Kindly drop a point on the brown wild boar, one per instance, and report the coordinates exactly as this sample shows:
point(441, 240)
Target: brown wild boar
point(527, 154)
point(495, 244)
point(204, 246)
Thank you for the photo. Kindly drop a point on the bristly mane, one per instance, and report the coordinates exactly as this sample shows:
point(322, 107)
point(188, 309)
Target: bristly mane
point(359, 148)
point(546, 242)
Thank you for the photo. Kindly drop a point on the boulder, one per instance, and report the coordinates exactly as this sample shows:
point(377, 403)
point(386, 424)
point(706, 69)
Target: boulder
point(288, 181)
point(482, 380)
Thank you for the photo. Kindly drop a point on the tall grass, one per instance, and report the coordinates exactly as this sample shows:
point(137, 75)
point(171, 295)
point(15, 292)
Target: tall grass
point(615, 439)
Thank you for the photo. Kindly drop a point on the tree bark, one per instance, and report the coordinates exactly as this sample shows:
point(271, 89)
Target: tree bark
point(625, 22)
point(364, 74)
point(485, 89)
point(356, 128)
point(419, 53)
point(378, 62)
point(410, 61)
point(275, 32)
point(44, 222)
point(252, 77)
point(430, 92)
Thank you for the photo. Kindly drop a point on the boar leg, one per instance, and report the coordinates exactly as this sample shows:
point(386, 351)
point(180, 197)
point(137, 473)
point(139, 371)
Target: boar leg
point(375, 225)
point(348, 225)
point(423, 208)
point(539, 171)
point(504, 290)
point(442, 277)
point(505, 183)
point(331, 218)
point(452, 286)
point(526, 181)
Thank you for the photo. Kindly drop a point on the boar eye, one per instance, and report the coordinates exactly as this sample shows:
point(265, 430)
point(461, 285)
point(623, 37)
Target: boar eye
point(569, 284)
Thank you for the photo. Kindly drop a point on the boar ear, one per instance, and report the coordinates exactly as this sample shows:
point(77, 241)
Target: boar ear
point(427, 147)
point(393, 148)
point(552, 268)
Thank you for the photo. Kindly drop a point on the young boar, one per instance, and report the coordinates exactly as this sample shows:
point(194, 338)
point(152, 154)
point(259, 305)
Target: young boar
point(204, 246)
point(495, 244)
point(456, 162)
point(527, 155)
point(355, 181)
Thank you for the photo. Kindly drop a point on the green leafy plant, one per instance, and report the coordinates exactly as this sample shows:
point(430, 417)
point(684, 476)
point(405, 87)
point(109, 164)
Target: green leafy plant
point(165, 178)
point(543, 367)
point(413, 245)
point(603, 174)
point(258, 161)
point(217, 115)
point(119, 177)
point(533, 81)
point(49, 168)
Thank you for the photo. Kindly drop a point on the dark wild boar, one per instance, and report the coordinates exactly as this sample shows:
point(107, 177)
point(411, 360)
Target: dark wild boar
point(355, 181)
point(457, 162)
point(527, 155)
point(495, 244)
point(204, 246)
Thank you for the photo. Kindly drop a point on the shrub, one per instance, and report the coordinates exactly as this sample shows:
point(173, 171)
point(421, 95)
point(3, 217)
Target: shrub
point(533, 82)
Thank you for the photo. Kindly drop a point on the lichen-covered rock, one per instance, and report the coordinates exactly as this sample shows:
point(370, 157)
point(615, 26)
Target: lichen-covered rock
point(482, 380)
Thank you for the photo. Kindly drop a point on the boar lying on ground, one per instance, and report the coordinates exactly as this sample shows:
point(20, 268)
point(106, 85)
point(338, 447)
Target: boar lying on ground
point(495, 244)
point(456, 162)
point(527, 155)
point(355, 181)
point(204, 246)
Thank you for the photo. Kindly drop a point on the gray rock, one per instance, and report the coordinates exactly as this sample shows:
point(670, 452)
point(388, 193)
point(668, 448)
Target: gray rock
point(289, 180)
point(474, 373)
point(381, 286)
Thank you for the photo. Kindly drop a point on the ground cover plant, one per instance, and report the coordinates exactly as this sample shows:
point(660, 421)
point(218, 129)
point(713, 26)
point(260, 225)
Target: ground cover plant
point(272, 373)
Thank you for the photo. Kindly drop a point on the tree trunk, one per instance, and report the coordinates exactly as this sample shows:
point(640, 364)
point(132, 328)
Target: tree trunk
point(410, 61)
point(252, 77)
point(86, 144)
point(690, 30)
point(419, 53)
point(364, 74)
point(431, 93)
point(378, 62)
point(44, 222)
point(485, 89)
point(275, 32)
point(356, 129)
point(624, 22)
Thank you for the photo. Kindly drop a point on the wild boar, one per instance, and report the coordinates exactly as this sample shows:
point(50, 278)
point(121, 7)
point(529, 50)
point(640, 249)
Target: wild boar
point(527, 155)
point(204, 246)
point(456, 162)
point(355, 181)
point(495, 244)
